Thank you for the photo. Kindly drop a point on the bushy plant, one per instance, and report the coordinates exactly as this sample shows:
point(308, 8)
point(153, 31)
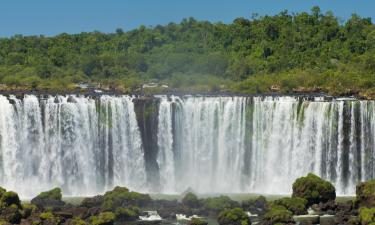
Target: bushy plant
point(313, 189)
point(234, 216)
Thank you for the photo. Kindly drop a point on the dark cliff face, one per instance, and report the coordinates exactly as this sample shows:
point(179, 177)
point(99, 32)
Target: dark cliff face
point(146, 110)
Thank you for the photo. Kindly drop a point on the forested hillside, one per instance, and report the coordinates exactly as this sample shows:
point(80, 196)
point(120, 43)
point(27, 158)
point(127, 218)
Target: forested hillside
point(287, 52)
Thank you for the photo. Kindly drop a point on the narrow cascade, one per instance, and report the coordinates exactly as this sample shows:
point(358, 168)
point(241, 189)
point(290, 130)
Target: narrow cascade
point(83, 145)
point(262, 144)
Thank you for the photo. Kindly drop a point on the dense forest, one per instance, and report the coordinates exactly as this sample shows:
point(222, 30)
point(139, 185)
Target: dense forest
point(287, 52)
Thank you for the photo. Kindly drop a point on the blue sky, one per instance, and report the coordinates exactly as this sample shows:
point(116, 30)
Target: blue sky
point(51, 17)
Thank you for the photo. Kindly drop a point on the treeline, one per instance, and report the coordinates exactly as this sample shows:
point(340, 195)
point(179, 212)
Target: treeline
point(286, 52)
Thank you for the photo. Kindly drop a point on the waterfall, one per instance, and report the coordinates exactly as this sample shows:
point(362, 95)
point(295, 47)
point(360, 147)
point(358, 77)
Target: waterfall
point(222, 144)
point(83, 145)
point(262, 144)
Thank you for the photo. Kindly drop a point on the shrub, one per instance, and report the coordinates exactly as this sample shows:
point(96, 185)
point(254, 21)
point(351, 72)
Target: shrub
point(365, 192)
point(313, 189)
point(197, 221)
point(296, 205)
point(218, 204)
point(234, 216)
point(190, 200)
point(367, 215)
point(278, 214)
point(105, 218)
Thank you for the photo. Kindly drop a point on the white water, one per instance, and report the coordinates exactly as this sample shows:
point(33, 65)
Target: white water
point(81, 145)
point(210, 144)
point(238, 144)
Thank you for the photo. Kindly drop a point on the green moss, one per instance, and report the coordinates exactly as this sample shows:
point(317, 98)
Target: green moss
point(105, 218)
point(197, 221)
point(218, 204)
point(28, 209)
point(120, 195)
point(313, 189)
point(365, 194)
point(9, 198)
point(296, 205)
point(77, 221)
point(130, 213)
point(234, 216)
point(46, 216)
point(190, 200)
point(278, 214)
point(51, 194)
point(367, 215)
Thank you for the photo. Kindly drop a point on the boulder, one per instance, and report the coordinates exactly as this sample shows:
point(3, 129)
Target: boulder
point(365, 193)
point(191, 200)
point(11, 214)
point(327, 220)
point(122, 197)
point(278, 214)
point(105, 218)
point(314, 189)
point(51, 198)
point(95, 201)
point(197, 221)
point(10, 198)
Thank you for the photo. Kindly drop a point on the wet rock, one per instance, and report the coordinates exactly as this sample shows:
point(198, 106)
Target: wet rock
point(51, 198)
point(306, 219)
point(327, 220)
point(365, 192)
point(95, 201)
point(11, 214)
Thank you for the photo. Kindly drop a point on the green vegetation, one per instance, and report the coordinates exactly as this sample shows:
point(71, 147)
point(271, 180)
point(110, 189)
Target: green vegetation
point(217, 204)
point(365, 193)
point(105, 218)
point(51, 194)
point(121, 196)
point(301, 52)
point(313, 189)
point(191, 200)
point(367, 216)
point(278, 214)
point(235, 216)
point(127, 213)
point(295, 205)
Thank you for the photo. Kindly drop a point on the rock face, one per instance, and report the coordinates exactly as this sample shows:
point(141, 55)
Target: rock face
point(51, 198)
point(314, 189)
point(365, 192)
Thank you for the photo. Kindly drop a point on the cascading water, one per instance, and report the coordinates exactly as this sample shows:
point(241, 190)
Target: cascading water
point(262, 144)
point(80, 144)
point(87, 145)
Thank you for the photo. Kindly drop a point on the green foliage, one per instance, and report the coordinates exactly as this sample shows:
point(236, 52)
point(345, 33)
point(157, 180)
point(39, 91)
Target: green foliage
point(51, 194)
point(121, 196)
point(234, 216)
point(130, 213)
point(367, 216)
point(191, 200)
point(296, 205)
point(278, 214)
point(313, 189)
point(197, 221)
point(77, 221)
point(46, 215)
point(105, 218)
point(365, 194)
point(217, 204)
point(297, 52)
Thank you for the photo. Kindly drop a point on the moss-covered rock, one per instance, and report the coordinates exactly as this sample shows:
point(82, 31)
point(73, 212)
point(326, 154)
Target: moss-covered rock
point(105, 218)
point(51, 194)
point(122, 197)
point(28, 209)
point(127, 214)
point(197, 221)
point(365, 192)
point(296, 205)
point(46, 215)
point(10, 198)
point(218, 204)
point(76, 221)
point(190, 200)
point(278, 214)
point(51, 198)
point(313, 189)
point(367, 216)
point(11, 214)
point(234, 216)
